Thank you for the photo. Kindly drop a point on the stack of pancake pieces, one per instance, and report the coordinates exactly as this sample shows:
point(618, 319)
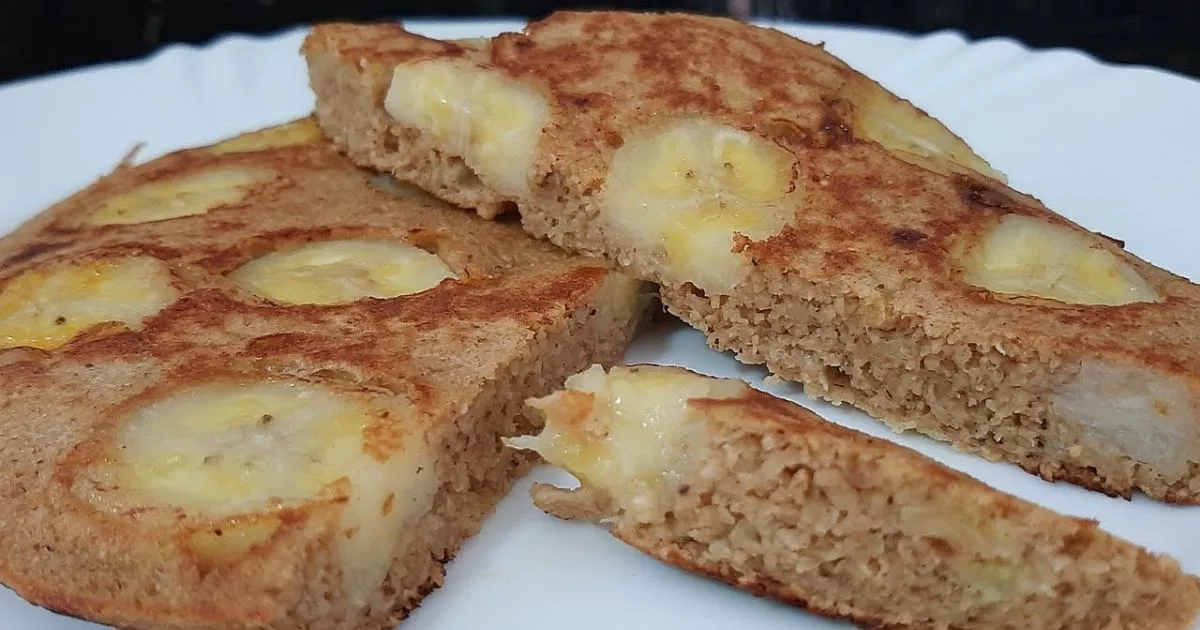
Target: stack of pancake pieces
point(277, 381)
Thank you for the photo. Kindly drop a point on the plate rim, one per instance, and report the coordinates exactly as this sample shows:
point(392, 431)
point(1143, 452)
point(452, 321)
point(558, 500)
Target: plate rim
point(789, 26)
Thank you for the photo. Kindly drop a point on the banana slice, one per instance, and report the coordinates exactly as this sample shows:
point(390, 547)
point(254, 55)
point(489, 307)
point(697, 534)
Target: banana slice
point(491, 121)
point(46, 307)
point(296, 132)
point(910, 134)
point(223, 542)
point(180, 196)
point(1134, 409)
point(1032, 257)
point(624, 432)
point(688, 189)
point(234, 454)
point(222, 449)
point(338, 272)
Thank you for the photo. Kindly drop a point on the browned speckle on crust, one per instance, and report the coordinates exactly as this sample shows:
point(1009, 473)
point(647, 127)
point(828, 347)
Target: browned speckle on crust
point(450, 365)
point(861, 296)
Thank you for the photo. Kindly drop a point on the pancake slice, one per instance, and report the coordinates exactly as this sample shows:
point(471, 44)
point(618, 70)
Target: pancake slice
point(804, 218)
point(717, 478)
point(252, 386)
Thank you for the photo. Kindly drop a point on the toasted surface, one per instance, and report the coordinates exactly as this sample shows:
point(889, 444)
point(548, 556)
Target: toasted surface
point(250, 385)
point(806, 219)
point(763, 494)
point(374, 138)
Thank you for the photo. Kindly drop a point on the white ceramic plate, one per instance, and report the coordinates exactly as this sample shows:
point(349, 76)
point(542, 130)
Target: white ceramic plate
point(1114, 148)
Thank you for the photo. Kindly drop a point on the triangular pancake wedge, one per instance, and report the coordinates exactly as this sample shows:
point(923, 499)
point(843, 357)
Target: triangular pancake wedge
point(804, 218)
point(730, 482)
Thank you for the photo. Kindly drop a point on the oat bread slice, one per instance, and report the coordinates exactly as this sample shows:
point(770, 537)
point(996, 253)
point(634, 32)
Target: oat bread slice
point(804, 218)
point(723, 480)
point(252, 386)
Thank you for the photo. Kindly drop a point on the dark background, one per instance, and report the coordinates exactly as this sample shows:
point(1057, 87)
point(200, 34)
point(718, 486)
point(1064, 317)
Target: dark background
point(41, 36)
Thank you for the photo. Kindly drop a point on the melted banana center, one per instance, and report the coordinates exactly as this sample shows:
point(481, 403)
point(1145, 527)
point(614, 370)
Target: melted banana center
point(688, 190)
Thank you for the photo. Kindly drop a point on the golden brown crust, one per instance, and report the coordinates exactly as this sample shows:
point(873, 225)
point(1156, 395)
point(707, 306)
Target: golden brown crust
point(867, 216)
point(608, 75)
point(450, 364)
point(869, 254)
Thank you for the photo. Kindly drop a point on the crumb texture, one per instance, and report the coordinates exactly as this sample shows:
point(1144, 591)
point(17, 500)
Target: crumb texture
point(781, 503)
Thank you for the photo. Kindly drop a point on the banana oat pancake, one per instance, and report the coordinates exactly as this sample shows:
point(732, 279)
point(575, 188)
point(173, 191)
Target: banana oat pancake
point(251, 386)
point(803, 217)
